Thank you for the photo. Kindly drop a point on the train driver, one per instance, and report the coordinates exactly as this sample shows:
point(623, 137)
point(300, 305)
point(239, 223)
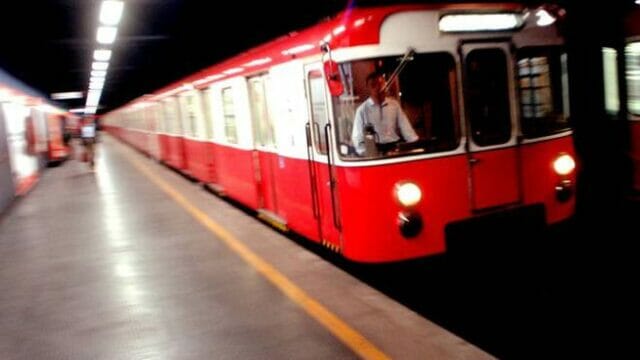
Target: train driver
point(380, 123)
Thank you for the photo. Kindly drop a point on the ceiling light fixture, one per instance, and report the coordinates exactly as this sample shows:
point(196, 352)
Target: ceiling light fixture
point(111, 12)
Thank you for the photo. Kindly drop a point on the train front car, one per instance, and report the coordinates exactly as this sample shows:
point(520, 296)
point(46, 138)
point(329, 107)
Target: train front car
point(485, 91)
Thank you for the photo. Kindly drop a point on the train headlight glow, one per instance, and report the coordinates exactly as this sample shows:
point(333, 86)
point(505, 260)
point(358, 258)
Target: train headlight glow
point(564, 164)
point(408, 194)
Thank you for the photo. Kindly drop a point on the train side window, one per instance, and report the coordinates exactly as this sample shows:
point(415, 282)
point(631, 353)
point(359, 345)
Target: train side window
point(262, 122)
point(319, 116)
point(487, 96)
point(207, 110)
point(230, 131)
point(171, 116)
point(632, 53)
point(544, 91)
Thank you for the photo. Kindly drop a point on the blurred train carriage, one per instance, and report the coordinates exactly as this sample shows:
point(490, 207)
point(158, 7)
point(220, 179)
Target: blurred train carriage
point(484, 87)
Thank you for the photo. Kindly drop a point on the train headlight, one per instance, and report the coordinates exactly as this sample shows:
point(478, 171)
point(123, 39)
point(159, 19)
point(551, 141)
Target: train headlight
point(408, 194)
point(564, 164)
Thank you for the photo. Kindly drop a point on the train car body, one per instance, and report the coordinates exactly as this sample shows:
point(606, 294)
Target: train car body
point(484, 87)
point(632, 76)
point(30, 136)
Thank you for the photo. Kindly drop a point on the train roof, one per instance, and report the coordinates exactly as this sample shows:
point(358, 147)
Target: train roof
point(351, 27)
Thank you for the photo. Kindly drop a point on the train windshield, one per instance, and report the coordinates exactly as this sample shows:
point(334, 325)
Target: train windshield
point(394, 107)
point(544, 96)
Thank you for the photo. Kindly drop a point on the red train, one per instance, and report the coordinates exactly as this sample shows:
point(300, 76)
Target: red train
point(484, 89)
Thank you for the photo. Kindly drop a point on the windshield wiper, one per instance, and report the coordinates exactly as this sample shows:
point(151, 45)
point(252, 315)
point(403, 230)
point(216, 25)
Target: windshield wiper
point(408, 56)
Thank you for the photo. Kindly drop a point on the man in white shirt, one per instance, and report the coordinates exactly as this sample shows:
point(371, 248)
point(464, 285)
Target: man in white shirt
point(382, 118)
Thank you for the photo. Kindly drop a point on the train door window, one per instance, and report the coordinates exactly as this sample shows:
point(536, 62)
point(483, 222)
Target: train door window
point(230, 130)
point(207, 110)
point(159, 118)
point(263, 126)
point(318, 104)
point(487, 96)
point(171, 116)
point(610, 76)
point(425, 90)
point(187, 117)
point(544, 91)
point(632, 52)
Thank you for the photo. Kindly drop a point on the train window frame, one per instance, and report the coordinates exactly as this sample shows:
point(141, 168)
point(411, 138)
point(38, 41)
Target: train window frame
point(207, 113)
point(558, 87)
point(263, 127)
point(632, 88)
point(444, 111)
point(484, 131)
point(228, 111)
point(316, 81)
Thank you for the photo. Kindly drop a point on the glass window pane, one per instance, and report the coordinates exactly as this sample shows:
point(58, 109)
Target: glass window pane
point(487, 96)
point(420, 103)
point(229, 116)
point(319, 116)
point(208, 114)
point(543, 83)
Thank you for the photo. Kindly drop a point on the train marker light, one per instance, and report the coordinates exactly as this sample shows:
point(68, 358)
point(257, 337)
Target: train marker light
point(479, 22)
point(408, 194)
point(564, 164)
point(544, 18)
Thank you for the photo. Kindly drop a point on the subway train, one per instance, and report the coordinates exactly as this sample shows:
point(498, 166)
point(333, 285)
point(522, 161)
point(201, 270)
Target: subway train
point(31, 136)
point(280, 128)
point(632, 77)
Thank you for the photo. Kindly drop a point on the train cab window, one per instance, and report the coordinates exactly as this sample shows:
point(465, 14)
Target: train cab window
point(632, 55)
point(487, 96)
point(421, 89)
point(544, 94)
point(230, 131)
point(610, 76)
point(319, 114)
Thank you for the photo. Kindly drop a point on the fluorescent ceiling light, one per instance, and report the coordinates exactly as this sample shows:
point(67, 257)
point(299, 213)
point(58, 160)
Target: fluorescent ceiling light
point(77, 110)
point(102, 55)
point(96, 80)
point(111, 12)
point(106, 34)
point(67, 95)
point(479, 22)
point(98, 73)
point(99, 65)
point(96, 86)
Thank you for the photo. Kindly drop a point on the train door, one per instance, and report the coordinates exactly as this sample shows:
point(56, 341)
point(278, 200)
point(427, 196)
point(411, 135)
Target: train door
point(491, 125)
point(321, 162)
point(264, 144)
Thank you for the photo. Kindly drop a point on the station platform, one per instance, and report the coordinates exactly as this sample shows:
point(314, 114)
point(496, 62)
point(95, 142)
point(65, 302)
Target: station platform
point(133, 261)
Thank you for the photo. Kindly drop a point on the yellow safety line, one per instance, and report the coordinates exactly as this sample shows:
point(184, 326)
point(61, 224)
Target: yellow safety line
point(349, 336)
